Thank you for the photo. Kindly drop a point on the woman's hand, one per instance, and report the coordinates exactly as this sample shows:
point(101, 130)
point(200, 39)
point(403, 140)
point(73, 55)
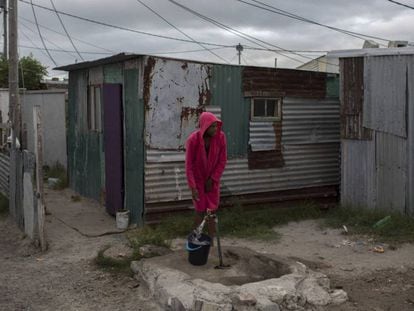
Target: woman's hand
point(194, 194)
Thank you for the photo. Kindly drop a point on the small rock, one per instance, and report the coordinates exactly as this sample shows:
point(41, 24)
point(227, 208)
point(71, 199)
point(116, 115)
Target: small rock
point(338, 297)
point(175, 304)
point(347, 269)
point(148, 251)
point(314, 293)
point(244, 299)
point(402, 270)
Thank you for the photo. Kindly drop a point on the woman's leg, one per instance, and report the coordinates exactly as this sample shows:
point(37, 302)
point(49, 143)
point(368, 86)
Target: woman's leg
point(198, 219)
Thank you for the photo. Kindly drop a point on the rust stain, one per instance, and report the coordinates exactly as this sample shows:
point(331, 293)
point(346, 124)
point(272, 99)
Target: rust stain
point(149, 67)
point(187, 112)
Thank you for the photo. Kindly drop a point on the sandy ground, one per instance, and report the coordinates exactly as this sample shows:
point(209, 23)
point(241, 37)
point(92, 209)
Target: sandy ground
point(65, 278)
point(373, 281)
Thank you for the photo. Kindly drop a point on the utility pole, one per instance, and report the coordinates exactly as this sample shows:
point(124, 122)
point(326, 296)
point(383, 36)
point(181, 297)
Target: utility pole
point(14, 104)
point(3, 6)
point(239, 49)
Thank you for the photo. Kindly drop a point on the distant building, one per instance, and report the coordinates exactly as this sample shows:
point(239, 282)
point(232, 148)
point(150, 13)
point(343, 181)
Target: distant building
point(55, 83)
point(323, 63)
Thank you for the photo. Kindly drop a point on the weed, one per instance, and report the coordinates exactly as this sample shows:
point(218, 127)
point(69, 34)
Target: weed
point(57, 171)
point(398, 229)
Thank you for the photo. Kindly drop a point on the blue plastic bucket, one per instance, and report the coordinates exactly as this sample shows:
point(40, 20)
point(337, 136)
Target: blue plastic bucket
point(198, 254)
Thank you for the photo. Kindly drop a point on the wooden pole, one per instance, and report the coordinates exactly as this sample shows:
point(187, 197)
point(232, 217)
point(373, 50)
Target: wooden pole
point(38, 137)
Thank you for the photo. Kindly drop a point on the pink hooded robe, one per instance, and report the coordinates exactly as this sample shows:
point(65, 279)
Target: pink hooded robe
point(200, 167)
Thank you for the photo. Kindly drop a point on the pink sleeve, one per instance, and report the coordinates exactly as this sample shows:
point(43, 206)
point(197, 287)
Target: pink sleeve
point(222, 160)
point(189, 162)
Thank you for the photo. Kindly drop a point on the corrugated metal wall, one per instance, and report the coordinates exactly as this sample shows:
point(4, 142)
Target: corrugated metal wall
point(134, 146)
point(226, 88)
point(385, 102)
point(379, 173)
point(84, 147)
point(4, 173)
point(358, 178)
point(410, 138)
point(352, 99)
point(311, 158)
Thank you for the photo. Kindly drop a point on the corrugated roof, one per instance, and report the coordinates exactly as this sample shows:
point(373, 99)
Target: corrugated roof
point(372, 52)
point(102, 61)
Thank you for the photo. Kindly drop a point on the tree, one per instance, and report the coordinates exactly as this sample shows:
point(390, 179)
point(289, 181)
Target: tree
point(33, 73)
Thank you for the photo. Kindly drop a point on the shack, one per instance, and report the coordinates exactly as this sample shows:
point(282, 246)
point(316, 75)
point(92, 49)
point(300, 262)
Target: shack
point(377, 128)
point(129, 116)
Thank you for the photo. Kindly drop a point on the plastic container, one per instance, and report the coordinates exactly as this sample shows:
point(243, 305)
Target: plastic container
point(122, 220)
point(198, 254)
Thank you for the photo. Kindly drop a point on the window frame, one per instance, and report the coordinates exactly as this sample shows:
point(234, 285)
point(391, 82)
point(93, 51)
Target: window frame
point(278, 109)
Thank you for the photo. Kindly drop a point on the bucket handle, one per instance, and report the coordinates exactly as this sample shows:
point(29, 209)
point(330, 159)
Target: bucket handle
point(192, 249)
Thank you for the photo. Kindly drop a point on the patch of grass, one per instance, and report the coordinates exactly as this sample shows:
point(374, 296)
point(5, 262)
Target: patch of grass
point(147, 235)
point(116, 266)
point(236, 222)
point(258, 223)
point(398, 229)
point(4, 206)
point(57, 171)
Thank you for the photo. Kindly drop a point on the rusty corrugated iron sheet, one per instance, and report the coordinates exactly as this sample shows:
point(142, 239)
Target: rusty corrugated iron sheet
point(385, 94)
point(175, 94)
point(352, 99)
point(305, 166)
point(286, 82)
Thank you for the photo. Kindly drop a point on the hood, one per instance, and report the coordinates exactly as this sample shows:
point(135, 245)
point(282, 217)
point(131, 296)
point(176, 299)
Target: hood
point(206, 119)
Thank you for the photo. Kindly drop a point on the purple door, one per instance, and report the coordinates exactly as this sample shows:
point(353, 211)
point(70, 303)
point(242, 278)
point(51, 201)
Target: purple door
point(114, 164)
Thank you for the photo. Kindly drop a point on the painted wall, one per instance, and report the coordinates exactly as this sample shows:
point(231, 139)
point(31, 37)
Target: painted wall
point(53, 109)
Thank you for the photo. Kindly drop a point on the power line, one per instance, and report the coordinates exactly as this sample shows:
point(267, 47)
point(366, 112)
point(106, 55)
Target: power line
point(64, 28)
point(278, 11)
point(123, 28)
point(246, 36)
point(402, 4)
point(106, 53)
point(40, 34)
point(28, 38)
point(234, 31)
point(182, 32)
point(51, 42)
point(61, 34)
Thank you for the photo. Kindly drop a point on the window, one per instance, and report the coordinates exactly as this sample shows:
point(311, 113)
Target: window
point(94, 108)
point(266, 109)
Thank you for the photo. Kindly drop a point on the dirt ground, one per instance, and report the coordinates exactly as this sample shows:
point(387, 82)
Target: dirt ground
point(373, 281)
point(65, 277)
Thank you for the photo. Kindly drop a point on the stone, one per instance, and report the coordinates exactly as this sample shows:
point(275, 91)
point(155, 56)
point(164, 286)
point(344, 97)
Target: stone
point(148, 251)
point(175, 304)
point(314, 293)
point(322, 279)
point(243, 299)
point(264, 304)
point(338, 297)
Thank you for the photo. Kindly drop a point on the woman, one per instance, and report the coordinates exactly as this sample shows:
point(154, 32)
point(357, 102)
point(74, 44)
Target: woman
point(206, 157)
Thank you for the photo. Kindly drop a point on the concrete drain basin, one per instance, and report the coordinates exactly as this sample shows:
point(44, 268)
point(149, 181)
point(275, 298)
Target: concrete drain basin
point(254, 282)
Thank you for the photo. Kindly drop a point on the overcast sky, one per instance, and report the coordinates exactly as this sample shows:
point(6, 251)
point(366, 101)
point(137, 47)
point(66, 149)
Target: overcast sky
point(379, 18)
